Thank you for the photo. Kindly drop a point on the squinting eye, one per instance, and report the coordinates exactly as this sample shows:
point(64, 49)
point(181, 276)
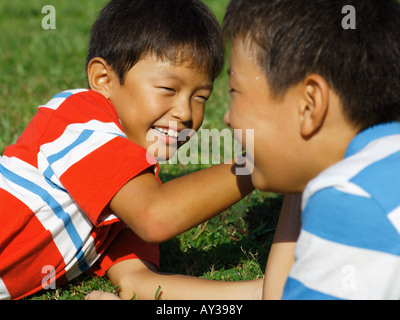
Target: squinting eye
point(201, 98)
point(170, 90)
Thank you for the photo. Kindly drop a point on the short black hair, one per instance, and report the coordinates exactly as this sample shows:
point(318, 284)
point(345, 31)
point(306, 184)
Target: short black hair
point(295, 38)
point(182, 31)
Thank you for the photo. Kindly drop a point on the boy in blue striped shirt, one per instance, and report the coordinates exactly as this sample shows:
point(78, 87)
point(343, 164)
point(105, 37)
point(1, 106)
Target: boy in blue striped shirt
point(319, 82)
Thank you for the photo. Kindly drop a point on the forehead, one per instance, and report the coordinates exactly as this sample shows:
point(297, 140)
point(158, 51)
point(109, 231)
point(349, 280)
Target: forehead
point(166, 62)
point(243, 59)
point(245, 45)
point(153, 68)
point(186, 55)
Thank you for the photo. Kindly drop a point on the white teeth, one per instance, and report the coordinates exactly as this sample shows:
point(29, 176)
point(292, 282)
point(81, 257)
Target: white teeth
point(167, 132)
point(172, 133)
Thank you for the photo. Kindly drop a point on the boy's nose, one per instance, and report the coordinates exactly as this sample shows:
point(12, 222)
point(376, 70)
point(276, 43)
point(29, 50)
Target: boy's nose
point(183, 112)
point(227, 118)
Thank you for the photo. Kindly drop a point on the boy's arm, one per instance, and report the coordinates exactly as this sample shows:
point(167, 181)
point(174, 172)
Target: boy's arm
point(281, 256)
point(157, 212)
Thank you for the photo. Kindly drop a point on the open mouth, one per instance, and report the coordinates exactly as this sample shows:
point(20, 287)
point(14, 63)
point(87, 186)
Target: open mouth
point(166, 132)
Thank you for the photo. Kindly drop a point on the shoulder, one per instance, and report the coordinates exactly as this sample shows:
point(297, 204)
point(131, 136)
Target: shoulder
point(373, 172)
point(80, 99)
point(61, 97)
point(358, 200)
point(351, 226)
point(79, 106)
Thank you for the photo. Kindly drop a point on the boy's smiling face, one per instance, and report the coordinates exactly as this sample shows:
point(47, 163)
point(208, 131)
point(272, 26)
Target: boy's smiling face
point(275, 122)
point(157, 100)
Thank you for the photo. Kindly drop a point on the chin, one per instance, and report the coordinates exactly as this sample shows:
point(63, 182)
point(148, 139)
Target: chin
point(162, 152)
point(259, 181)
point(266, 183)
point(165, 156)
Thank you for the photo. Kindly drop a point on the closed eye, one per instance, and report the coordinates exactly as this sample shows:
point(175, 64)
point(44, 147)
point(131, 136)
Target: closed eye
point(201, 98)
point(167, 89)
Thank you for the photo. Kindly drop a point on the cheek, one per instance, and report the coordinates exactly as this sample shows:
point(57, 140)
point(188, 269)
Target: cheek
point(237, 118)
point(246, 112)
point(197, 118)
point(264, 159)
point(155, 107)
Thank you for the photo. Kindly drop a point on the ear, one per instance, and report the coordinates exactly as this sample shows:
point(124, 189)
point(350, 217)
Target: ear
point(100, 76)
point(315, 104)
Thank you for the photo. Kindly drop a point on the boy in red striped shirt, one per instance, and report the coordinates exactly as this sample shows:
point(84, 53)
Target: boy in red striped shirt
point(79, 190)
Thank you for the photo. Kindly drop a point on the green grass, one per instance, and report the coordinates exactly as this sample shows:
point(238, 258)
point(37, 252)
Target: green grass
point(38, 63)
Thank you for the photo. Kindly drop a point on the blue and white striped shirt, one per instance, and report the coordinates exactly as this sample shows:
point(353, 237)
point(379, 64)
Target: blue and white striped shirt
point(349, 245)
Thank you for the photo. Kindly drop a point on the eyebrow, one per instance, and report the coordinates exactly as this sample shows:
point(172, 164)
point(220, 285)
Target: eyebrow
point(207, 87)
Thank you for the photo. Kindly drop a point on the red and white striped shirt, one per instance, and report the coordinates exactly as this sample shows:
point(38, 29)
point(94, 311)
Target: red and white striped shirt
point(55, 186)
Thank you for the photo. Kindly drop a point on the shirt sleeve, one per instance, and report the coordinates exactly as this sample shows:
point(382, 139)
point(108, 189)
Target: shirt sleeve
point(347, 249)
point(85, 152)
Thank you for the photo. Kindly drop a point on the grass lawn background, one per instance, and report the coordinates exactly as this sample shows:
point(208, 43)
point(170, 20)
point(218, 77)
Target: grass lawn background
point(36, 64)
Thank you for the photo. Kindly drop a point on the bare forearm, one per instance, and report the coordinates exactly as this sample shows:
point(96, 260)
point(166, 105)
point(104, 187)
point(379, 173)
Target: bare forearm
point(143, 279)
point(157, 212)
point(281, 256)
point(181, 287)
point(197, 197)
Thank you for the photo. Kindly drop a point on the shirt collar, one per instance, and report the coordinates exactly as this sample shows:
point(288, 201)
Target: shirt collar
point(372, 133)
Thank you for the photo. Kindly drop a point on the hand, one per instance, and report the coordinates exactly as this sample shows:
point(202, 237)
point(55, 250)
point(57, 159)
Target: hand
point(100, 295)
